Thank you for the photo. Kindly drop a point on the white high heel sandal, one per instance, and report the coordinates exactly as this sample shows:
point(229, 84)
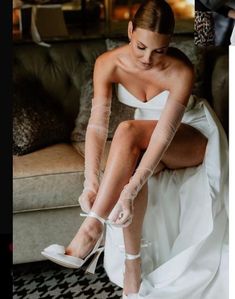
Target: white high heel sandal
point(131, 257)
point(56, 253)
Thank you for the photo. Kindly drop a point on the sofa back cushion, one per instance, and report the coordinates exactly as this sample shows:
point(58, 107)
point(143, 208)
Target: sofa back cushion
point(60, 69)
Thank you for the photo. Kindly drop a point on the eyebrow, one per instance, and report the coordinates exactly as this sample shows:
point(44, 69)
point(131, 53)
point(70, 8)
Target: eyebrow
point(154, 49)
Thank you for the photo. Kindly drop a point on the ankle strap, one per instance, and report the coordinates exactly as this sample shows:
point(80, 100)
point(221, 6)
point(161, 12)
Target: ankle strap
point(93, 215)
point(132, 256)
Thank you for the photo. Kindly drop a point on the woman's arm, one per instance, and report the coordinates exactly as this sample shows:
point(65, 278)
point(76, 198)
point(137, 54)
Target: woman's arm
point(162, 135)
point(97, 129)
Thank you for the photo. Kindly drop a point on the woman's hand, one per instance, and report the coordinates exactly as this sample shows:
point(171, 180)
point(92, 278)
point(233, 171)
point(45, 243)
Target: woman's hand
point(123, 211)
point(87, 199)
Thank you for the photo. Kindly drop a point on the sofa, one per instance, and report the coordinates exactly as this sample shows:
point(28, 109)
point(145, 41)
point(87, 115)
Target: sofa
point(52, 90)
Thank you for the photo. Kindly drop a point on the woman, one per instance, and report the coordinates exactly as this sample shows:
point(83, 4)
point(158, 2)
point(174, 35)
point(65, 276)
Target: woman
point(169, 137)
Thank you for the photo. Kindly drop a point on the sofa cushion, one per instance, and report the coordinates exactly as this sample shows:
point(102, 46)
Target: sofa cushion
point(48, 178)
point(37, 120)
point(80, 147)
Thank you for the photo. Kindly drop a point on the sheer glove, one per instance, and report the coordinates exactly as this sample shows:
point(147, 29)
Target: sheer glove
point(162, 136)
point(96, 136)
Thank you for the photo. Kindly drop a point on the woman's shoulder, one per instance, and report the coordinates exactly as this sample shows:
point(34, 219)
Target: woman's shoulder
point(180, 74)
point(111, 57)
point(106, 64)
point(109, 62)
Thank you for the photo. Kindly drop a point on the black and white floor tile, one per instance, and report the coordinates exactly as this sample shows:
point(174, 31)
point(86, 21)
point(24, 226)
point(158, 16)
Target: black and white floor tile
point(46, 280)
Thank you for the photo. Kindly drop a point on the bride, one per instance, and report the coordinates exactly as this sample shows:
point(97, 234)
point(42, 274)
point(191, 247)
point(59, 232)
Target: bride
point(166, 175)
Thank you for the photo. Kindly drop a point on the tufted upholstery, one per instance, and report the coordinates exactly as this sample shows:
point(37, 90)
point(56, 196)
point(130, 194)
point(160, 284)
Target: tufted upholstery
point(47, 182)
point(60, 69)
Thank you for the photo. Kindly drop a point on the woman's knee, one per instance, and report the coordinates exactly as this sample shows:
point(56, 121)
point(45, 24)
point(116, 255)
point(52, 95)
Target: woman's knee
point(125, 137)
point(126, 132)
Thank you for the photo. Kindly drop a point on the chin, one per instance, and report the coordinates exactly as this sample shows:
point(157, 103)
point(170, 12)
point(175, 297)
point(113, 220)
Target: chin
point(144, 66)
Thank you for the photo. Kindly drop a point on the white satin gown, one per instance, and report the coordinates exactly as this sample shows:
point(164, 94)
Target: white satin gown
point(185, 231)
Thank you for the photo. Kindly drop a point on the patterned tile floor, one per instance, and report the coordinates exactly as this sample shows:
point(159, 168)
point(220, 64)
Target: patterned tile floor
point(46, 280)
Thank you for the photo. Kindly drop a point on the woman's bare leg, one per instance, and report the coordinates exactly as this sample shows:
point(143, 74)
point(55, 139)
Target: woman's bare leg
point(133, 233)
point(121, 162)
point(132, 239)
point(187, 149)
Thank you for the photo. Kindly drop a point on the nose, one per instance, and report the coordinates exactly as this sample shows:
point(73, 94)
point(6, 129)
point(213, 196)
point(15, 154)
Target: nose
point(147, 57)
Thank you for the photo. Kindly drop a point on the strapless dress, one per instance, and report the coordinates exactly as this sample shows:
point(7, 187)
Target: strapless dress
point(185, 232)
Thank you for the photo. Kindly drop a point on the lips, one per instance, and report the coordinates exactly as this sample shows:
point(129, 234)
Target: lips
point(146, 65)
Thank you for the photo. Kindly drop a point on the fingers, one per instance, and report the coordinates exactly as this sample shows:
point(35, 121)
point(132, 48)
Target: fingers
point(124, 217)
point(128, 222)
point(86, 200)
point(122, 213)
point(113, 216)
point(85, 206)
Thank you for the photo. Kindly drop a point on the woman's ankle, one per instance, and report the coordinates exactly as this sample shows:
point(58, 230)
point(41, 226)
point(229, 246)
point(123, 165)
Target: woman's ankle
point(132, 276)
point(92, 227)
point(85, 239)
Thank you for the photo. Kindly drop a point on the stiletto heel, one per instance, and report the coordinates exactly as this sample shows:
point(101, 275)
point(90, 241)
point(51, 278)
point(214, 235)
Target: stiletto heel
point(56, 253)
point(92, 266)
point(131, 257)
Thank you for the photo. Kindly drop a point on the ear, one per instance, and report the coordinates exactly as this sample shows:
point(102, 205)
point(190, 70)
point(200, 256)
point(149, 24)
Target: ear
point(130, 29)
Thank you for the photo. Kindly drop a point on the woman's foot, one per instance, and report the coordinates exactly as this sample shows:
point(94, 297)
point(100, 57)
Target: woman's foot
point(132, 276)
point(86, 238)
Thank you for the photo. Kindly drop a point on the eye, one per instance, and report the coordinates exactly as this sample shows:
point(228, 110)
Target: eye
point(159, 51)
point(140, 48)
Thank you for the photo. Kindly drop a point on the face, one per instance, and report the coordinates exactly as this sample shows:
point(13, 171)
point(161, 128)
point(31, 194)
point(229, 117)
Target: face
point(147, 47)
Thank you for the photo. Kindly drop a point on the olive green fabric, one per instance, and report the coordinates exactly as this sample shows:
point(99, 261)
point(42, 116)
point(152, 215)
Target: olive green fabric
point(61, 69)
